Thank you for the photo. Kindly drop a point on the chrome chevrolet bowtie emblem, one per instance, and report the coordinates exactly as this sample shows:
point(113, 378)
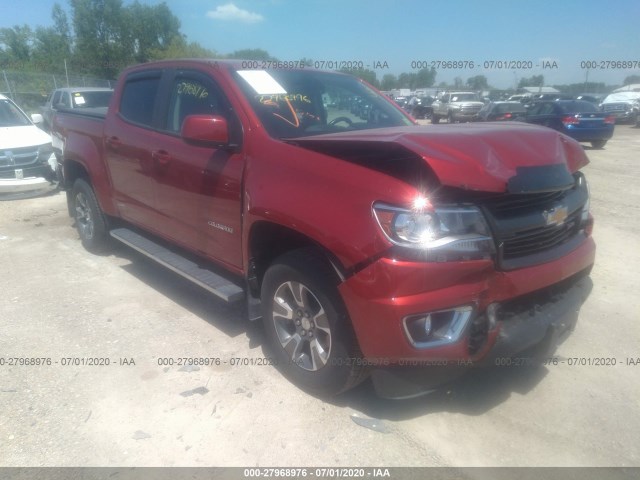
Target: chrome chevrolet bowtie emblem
point(9, 155)
point(556, 215)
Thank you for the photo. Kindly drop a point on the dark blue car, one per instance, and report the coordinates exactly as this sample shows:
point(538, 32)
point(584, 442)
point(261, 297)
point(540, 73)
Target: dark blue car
point(578, 119)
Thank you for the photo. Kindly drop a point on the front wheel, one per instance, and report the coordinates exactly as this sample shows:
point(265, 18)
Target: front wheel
point(91, 223)
point(435, 119)
point(598, 143)
point(307, 325)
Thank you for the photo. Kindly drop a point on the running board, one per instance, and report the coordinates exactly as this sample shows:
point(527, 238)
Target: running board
point(214, 283)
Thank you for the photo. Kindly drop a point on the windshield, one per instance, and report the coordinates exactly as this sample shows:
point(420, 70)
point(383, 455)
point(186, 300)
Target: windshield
point(295, 103)
point(464, 97)
point(11, 115)
point(91, 99)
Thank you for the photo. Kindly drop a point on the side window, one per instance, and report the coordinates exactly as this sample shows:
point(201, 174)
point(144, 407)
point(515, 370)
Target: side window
point(56, 99)
point(546, 109)
point(65, 100)
point(534, 110)
point(138, 99)
point(191, 97)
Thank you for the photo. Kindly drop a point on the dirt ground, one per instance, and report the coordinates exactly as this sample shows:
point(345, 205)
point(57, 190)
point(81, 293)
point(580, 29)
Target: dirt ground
point(58, 301)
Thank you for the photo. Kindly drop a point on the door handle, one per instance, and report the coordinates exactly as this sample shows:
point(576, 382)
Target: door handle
point(113, 142)
point(162, 157)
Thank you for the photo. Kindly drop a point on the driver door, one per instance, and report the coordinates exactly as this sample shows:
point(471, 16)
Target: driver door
point(198, 187)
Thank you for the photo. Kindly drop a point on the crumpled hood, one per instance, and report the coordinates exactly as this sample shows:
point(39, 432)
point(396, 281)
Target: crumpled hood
point(23, 136)
point(477, 156)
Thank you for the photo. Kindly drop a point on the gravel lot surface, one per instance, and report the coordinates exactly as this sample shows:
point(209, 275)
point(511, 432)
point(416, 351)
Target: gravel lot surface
point(59, 301)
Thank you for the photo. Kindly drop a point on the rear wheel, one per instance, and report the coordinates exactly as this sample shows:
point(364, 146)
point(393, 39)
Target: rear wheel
point(598, 143)
point(307, 325)
point(91, 223)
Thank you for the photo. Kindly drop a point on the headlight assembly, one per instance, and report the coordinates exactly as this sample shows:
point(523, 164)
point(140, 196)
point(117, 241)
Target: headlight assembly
point(444, 234)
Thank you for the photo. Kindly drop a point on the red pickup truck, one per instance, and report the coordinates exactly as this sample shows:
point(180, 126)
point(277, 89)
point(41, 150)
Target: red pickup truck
point(368, 245)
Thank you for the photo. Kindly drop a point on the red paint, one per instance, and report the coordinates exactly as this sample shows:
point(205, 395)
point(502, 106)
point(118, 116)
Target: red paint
point(208, 198)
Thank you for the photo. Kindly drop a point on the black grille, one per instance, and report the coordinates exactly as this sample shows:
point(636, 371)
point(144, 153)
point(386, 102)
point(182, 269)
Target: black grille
point(18, 157)
point(470, 108)
point(523, 227)
point(513, 204)
point(614, 107)
point(540, 239)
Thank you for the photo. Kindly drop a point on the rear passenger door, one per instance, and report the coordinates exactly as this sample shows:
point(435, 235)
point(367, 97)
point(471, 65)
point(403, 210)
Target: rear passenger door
point(130, 139)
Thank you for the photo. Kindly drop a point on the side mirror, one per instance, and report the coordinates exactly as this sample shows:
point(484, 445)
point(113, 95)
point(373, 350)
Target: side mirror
point(37, 118)
point(210, 129)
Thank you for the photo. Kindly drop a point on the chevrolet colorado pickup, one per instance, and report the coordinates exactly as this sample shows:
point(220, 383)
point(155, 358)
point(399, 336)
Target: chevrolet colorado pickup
point(368, 247)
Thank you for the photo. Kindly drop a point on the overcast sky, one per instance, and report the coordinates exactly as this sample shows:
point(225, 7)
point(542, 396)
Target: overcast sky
point(401, 32)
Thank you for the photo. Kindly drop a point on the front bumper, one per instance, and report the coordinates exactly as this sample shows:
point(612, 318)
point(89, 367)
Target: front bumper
point(465, 116)
point(380, 296)
point(27, 181)
point(623, 116)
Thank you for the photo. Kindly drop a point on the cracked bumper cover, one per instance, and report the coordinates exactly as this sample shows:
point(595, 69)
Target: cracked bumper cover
point(534, 305)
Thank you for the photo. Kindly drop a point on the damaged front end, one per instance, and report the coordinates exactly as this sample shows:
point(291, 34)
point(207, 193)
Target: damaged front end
point(487, 259)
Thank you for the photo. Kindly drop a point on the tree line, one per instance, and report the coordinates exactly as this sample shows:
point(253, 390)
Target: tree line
point(101, 37)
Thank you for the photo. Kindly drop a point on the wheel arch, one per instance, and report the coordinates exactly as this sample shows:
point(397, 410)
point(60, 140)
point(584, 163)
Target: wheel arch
point(268, 241)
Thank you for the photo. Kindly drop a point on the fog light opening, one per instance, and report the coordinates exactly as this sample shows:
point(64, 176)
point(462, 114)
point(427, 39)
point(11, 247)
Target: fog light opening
point(478, 333)
point(434, 329)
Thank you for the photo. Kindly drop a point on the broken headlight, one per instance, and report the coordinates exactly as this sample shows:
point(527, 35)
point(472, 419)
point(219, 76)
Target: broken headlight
point(444, 234)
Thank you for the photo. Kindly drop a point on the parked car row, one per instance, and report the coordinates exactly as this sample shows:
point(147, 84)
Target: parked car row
point(579, 119)
point(624, 106)
point(28, 163)
point(582, 119)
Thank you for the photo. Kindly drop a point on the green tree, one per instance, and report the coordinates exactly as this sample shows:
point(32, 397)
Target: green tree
point(252, 54)
point(52, 45)
point(180, 48)
point(479, 82)
point(534, 81)
point(389, 82)
point(151, 28)
point(103, 43)
point(16, 43)
point(631, 79)
point(407, 80)
point(425, 78)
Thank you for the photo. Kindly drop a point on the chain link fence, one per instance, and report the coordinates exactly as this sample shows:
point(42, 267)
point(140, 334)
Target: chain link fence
point(30, 90)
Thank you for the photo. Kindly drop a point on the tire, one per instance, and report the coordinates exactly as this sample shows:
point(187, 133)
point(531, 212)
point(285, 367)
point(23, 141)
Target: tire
point(303, 314)
point(91, 222)
point(435, 119)
point(450, 118)
point(598, 143)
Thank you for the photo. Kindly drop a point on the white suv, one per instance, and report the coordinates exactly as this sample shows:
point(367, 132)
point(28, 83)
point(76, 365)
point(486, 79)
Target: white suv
point(27, 162)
